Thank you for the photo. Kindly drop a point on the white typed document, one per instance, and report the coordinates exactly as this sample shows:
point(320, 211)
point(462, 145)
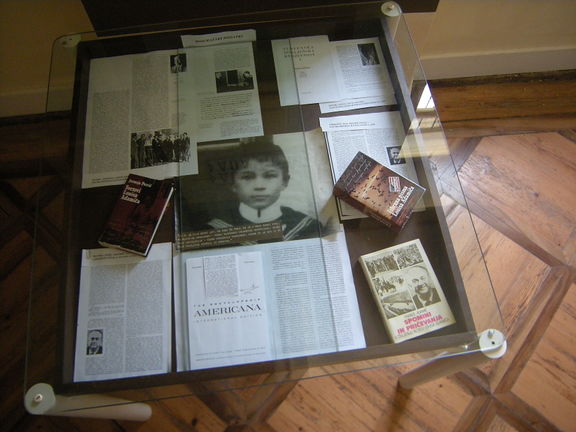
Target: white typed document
point(266, 302)
point(378, 135)
point(124, 314)
point(218, 93)
point(361, 70)
point(131, 119)
point(304, 70)
point(339, 75)
point(227, 310)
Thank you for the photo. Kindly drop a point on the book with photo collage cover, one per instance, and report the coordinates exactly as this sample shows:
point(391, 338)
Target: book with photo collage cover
point(406, 290)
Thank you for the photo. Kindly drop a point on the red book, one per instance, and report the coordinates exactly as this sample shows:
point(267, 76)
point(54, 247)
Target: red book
point(378, 191)
point(137, 214)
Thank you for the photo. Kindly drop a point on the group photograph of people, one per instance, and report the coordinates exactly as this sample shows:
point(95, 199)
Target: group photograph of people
point(159, 147)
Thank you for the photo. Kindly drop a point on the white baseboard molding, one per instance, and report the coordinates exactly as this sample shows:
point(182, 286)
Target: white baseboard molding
point(498, 63)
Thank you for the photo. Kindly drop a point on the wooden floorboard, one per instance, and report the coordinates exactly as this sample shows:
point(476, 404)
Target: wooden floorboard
point(513, 141)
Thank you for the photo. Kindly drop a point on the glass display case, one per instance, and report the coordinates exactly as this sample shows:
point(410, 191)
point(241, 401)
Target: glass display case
point(255, 275)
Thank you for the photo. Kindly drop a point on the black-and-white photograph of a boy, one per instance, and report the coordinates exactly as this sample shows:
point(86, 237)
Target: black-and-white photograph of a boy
point(94, 342)
point(253, 181)
point(234, 80)
point(368, 54)
point(394, 155)
point(178, 63)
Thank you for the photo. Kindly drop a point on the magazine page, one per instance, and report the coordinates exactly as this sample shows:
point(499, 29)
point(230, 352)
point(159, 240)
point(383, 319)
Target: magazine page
point(227, 310)
point(124, 314)
point(278, 301)
point(339, 75)
point(131, 121)
point(361, 70)
point(304, 70)
point(218, 93)
point(378, 135)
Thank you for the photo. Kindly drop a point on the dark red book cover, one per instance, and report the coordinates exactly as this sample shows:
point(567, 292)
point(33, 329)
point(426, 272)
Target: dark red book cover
point(137, 214)
point(378, 191)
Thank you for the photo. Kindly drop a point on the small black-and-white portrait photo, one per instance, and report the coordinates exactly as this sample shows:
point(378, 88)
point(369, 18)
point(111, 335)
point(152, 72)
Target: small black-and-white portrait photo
point(368, 54)
point(394, 155)
point(421, 286)
point(94, 342)
point(178, 63)
point(234, 80)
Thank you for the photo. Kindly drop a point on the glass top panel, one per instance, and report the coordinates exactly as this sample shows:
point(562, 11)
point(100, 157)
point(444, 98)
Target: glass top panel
point(257, 275)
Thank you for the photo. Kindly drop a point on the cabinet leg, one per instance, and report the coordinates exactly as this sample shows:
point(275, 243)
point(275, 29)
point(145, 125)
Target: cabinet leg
point(491, 345)
point(41, 400)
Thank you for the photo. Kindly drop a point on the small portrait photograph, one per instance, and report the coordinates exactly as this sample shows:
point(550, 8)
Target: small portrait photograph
point(178, 63)
point(408, 256)
point(421, 286)
point(394, 155)
point(158, 147)
point(251, 181)
point(397, 304)
point(94, 342)
point(234, 80)
point(368, 54)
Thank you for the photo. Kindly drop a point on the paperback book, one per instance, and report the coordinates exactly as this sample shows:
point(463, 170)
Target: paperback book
point(137, 214)
point(378, 191)
point(406, 290)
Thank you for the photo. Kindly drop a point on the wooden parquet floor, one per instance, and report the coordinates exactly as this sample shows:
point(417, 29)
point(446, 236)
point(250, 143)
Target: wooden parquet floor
point(514, 143)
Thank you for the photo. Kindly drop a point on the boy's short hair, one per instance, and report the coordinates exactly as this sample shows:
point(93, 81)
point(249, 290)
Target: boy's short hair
point(223, 167)
point(261, 149)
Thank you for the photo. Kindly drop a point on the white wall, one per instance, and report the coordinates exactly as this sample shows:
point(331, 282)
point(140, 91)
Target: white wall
point(488, 37)
point(463, 38)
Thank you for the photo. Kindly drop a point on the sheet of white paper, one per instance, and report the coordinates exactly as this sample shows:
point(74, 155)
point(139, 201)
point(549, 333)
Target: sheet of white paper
point(218, 93)
point(131, 99)
point(124, 319)
point(227, 310)
point(361, 69)
point(304, 70)
point(218, 38)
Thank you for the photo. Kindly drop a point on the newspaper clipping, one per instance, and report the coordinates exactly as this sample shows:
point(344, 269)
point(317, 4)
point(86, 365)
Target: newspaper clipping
point(124, 319)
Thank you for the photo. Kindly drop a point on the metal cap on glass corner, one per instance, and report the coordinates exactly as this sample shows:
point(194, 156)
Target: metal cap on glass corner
point(39, 399)
point(391, 9)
